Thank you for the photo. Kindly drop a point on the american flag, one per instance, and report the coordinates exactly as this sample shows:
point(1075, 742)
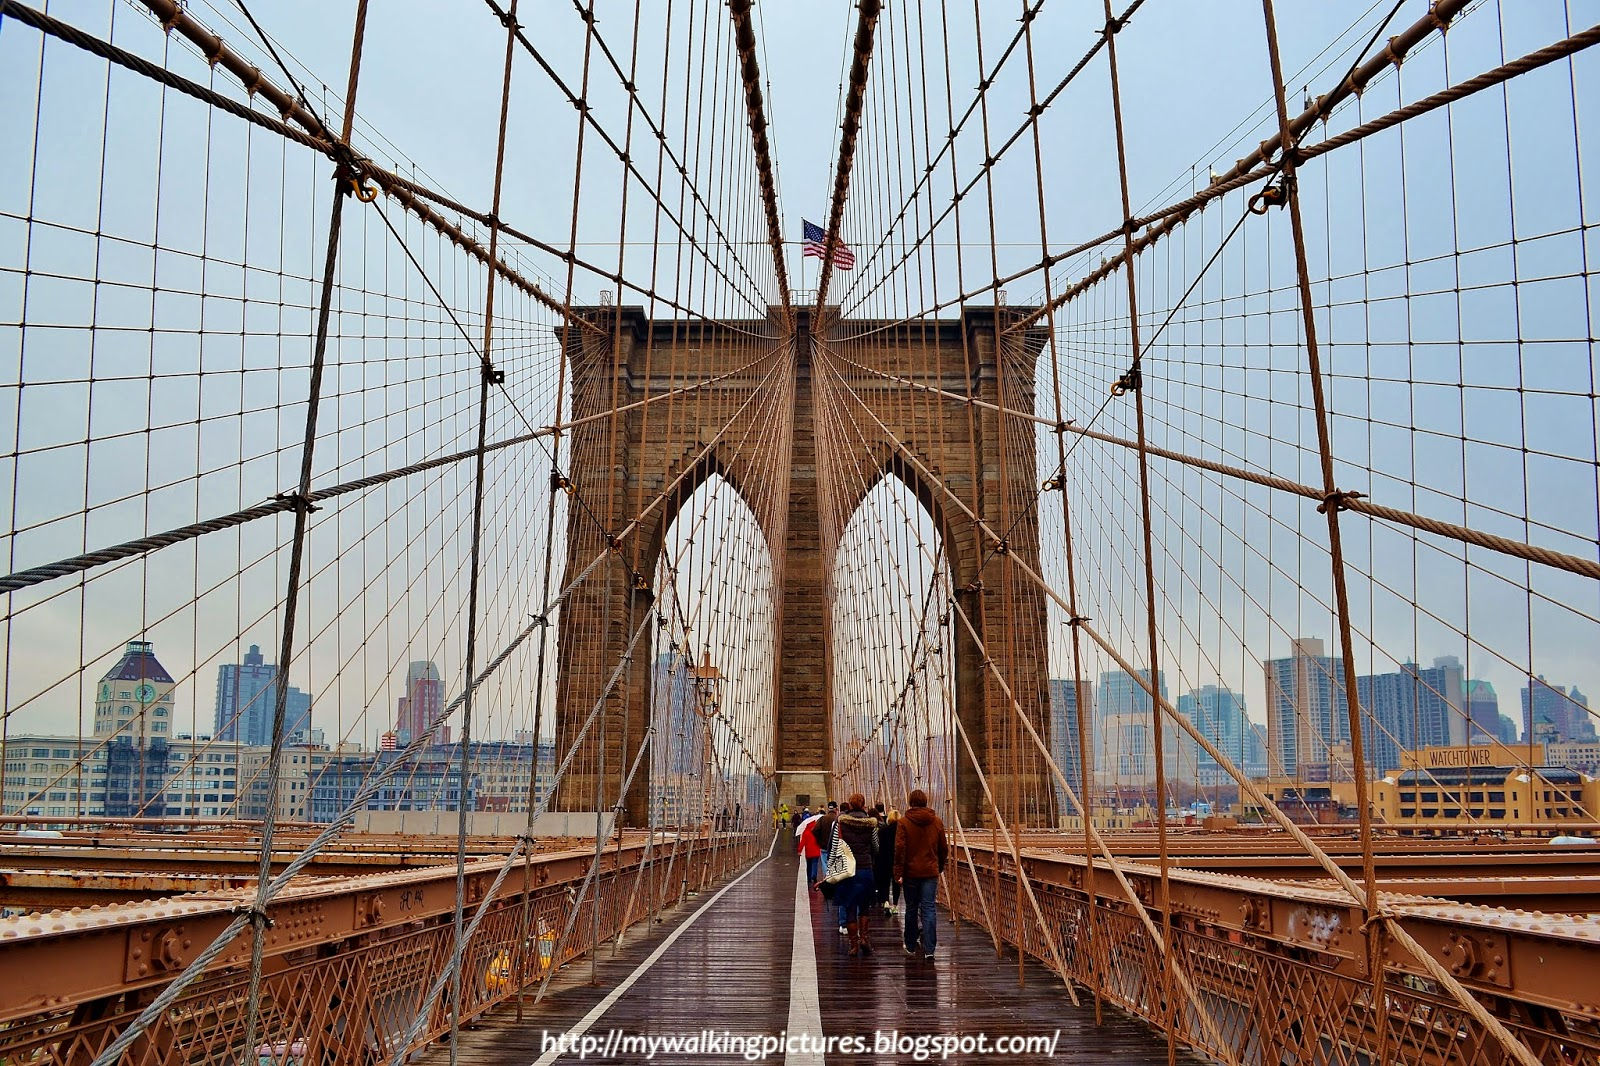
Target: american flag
point(843, 257)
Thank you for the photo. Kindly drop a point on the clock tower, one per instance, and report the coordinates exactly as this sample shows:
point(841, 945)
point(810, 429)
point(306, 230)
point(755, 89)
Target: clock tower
point(134, 698)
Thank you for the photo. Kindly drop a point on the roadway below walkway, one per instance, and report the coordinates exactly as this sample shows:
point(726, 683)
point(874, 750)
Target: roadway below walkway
point(737, 969)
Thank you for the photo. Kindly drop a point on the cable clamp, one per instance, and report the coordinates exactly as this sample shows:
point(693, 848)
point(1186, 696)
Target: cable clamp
point(258, 917)
point(1132, 381)
point(1078, 620)
point(1378, 917)
point(506, 20)
point(299, 503)
point(1339, 501)
point(1061, 427)
point(541, 620)
point(560, 482)
point(350, 168)
point(640, 582)
point(493, 374)
point(1273, 195)
point(1113, 27)
point(1003, 548)
point(1051, 484)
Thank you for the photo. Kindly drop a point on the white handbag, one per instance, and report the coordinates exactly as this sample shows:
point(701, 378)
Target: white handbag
point(841, 860)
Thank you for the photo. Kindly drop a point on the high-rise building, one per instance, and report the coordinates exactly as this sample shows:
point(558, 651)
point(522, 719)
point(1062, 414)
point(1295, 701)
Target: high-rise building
point(1218, 713)
point(1066, 699)
point(135, 697)
point(681, 740)
point(1303, 693)
point(1388, 718)
point(422, 703)
point(1441, 703)
point(1413, 707)
point(1555, 712)
point(1118, 693)
point(1483, 713)
point(431, 781)
point(246, 700)
point(1124, 750)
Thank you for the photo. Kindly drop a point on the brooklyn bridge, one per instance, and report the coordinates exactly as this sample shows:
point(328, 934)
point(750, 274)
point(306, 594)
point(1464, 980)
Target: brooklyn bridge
point(480, 477)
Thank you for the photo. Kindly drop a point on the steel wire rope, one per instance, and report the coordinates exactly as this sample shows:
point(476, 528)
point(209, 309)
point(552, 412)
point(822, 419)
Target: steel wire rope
point(378, 778)
point(992, 666)
point(579, 103)
point(1266, 804)
point(1037, 107)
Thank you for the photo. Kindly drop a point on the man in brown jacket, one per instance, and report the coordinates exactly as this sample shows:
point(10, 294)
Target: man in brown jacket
point(920, 852)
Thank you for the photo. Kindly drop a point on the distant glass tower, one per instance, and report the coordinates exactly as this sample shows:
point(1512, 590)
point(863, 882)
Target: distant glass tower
point(1123, 728)
point(246, 699)
point(1218, 713)
point(1067, 701)
point(1555, 712)
point(1483, 708)
point(1303, 693)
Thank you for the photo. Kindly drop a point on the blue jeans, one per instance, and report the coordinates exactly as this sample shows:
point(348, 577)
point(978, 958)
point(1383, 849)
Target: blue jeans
point(811, 871)
point(921, 913)
point(854, 896)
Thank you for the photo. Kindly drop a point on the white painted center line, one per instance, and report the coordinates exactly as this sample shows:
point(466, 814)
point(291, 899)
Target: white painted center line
point(805, 1002)
point(599, 1009)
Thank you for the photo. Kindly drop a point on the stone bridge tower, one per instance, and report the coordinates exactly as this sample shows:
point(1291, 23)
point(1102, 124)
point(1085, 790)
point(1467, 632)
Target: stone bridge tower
point(623, 462)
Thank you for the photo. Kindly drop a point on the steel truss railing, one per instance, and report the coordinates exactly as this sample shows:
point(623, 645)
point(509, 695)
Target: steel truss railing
point(1281, 970)
point(347, 961)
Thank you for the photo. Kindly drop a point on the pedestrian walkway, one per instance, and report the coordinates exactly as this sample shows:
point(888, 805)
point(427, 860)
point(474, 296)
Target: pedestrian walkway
point(762, 958)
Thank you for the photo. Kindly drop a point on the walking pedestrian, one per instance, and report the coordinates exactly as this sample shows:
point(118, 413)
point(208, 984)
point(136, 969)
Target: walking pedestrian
point(823, 832)
point(920, 852)
point(883, 863)
point(859, 830)
point(809, 849)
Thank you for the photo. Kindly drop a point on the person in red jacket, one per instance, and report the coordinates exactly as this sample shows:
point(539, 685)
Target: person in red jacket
point(809, 848)
point(920, 852)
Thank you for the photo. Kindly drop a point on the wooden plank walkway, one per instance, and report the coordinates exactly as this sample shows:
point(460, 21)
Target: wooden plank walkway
point(747, 969)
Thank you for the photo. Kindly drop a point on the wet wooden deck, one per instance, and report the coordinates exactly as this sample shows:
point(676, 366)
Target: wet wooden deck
point(764, 958)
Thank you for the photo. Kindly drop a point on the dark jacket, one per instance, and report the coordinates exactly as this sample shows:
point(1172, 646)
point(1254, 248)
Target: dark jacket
point(860, 830)
point(883, 862)
point(919, 846)
point(822, 829)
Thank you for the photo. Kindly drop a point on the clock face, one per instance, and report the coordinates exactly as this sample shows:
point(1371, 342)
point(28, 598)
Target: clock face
point(145, 692)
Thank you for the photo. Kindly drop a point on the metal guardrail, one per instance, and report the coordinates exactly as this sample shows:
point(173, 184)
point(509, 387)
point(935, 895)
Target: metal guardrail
point(349, 959)
point(1281, 969)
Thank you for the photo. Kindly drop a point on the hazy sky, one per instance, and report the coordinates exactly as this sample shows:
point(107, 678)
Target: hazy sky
point(1476, 408)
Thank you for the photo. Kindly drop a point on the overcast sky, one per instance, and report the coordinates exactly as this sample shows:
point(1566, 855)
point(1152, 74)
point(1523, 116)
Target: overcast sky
point(1483, 409)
